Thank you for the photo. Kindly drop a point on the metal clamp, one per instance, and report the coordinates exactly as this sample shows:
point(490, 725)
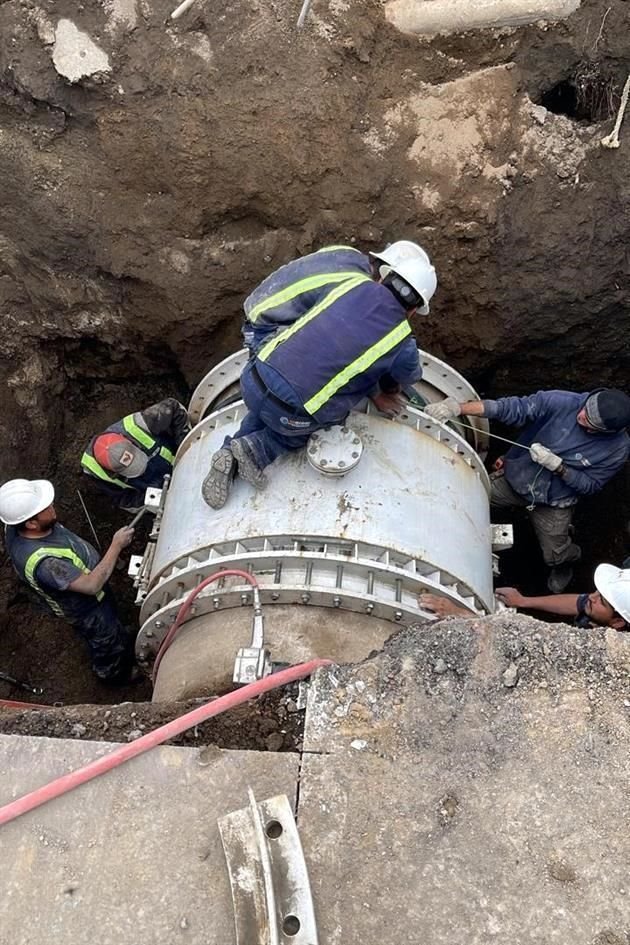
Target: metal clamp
point(253, 662)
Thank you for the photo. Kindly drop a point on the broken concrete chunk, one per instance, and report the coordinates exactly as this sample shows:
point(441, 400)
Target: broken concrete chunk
point(510, 676)
point(75, 55)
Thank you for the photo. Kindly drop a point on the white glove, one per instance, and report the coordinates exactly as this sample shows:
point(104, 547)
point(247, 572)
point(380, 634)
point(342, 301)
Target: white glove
point(444, 410)
point(544, 457)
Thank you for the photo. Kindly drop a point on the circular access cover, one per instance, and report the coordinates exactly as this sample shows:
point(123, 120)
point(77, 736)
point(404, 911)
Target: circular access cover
point(334, 451)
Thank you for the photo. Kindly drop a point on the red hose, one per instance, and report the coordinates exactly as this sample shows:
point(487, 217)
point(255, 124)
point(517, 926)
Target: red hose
point(11, 704)
point(94, 769)
point(183, 610)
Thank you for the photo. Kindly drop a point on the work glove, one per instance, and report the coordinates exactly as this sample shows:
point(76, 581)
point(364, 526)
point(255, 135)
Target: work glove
point(544, 457)
point(444, 410)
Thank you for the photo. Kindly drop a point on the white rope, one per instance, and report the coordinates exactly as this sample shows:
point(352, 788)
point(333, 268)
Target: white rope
point(303, 14)
point(177, 12)
point(612, 140)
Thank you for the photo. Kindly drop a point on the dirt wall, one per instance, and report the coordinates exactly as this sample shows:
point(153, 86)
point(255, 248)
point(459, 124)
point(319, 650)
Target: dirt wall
point(152, 172)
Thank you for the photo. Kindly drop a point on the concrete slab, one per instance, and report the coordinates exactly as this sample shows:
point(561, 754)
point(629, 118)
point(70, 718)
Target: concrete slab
point(429, 17)
point(470, 784)
point(133, 858)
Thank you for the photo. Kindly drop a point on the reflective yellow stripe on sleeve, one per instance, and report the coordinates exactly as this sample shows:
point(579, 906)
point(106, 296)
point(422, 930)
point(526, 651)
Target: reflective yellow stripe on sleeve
point(299, 288)
point(362, 363)
point(312, 313)
point(339, 246)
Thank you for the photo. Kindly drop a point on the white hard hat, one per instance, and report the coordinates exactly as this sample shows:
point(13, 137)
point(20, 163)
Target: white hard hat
point(614, 584)
point(21, 499)
point(411, 263)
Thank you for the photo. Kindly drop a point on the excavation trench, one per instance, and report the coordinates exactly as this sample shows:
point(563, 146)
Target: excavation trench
point(45, 651)
point(147, 200)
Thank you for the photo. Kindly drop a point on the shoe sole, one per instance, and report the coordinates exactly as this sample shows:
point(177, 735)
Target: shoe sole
point(216, 486)
point(247, 468)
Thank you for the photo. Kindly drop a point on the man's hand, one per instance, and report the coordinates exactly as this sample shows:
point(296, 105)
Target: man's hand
point(389, 404)
point(444, 410)
point(510, 596)
point(544, 457)
point(441, 606)
point(123, 537)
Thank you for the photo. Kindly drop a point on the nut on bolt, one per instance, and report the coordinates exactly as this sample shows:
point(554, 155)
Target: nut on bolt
point(305, 598)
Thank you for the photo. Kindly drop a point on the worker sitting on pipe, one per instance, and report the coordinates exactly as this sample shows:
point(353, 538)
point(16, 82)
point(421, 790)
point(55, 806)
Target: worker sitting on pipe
point(293, 289)
point(354, 343)
point(67, 574)
point(135, 453)
point(608, 606)
point(571, 446)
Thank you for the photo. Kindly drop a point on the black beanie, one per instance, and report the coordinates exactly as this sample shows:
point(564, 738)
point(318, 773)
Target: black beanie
point(608, 410)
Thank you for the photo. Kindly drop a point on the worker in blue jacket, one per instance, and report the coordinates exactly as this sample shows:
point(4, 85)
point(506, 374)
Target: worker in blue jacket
point(572, 445)
point(136, 453)
point(289, 292)
point(354, 342)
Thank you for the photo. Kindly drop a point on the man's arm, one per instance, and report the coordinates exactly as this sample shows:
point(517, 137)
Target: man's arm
point(167, 418)
point(514, 411)
point(591, 479)
point(564, 605)
point(95, 580)
point(405, 369)
point(442, 606)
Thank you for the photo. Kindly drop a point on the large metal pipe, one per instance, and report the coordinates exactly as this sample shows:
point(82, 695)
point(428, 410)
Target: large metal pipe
point(340, 561)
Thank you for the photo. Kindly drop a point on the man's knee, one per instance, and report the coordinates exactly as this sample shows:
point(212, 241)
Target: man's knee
point(552, 527)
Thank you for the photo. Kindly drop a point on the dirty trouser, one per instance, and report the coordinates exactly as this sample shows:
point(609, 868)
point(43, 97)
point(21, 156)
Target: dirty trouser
point(108, 642)
point(271, 428)
point(550, 523)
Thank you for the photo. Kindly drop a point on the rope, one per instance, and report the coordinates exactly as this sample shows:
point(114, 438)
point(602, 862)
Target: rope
point(612, 140)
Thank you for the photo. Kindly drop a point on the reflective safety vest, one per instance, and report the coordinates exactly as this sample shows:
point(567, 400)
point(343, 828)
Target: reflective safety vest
point(27, 554)
point(147, 443)
point(340, 338)
point(278, 298)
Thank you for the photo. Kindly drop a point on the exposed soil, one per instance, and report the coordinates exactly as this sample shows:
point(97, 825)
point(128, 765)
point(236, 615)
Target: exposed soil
point(271, 723)
point(145, 202)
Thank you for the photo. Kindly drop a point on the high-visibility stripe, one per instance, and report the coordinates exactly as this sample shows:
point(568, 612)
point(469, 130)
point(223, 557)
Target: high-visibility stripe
point(141, 435)
point(331, 249)
point(312, 313)
point(362, 363)
point(299, 288)
point(89, 463)
point(166, 454)
point(34, 559)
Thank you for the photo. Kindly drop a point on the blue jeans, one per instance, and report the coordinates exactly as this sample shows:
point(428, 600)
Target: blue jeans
point(270, 429)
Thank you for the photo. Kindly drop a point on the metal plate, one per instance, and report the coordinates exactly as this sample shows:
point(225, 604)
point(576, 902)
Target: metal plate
point(268, 876)
point(335, 451)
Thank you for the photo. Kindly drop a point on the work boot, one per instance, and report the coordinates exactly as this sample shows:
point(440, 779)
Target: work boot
point(248, 468)
point(215, 488)
point(559, 578)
